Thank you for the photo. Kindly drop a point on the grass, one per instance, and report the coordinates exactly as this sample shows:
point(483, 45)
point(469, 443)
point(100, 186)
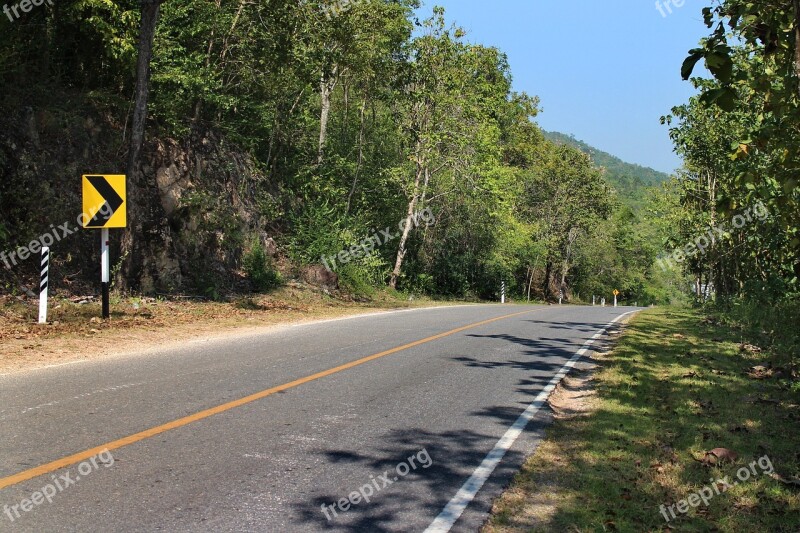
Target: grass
point(677, 385)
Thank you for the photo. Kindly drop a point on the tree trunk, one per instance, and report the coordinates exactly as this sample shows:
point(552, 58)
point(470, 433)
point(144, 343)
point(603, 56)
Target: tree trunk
point(797, 41)
point(345, 113)
point(275, 143)
point(530, 282)
point(326, 86)
point(198, 105)
point(360, 154)
point(573, 234)
point(412, 205)
point(547, 275)
point(147, 31)
point(226, 40)
point(714, 273)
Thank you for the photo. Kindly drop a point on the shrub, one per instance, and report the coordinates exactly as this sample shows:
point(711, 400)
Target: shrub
point(260, 269)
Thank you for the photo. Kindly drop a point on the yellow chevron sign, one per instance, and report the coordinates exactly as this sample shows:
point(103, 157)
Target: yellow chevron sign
point(104, 201)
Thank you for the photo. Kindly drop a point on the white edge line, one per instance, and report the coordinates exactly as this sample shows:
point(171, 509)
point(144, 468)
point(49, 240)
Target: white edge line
point(458, 504)
point(79, 361)
point(378, 313)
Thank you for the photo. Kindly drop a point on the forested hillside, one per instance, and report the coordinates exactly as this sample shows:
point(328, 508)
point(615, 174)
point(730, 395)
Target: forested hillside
point(630, 180)
point(357, 148)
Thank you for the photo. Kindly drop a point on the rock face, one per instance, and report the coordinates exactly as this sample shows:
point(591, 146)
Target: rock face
point(321, 277)
point(196, 239)
point(171, 184)
point(192, 211)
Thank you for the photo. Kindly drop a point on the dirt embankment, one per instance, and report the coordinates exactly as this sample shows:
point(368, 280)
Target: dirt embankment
point(76, 333)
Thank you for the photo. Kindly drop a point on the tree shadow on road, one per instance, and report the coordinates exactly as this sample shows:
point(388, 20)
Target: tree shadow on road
point(453, 454)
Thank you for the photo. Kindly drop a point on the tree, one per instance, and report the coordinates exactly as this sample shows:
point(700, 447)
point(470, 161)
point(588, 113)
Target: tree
point(568, 196)
point(451, 103)
point(149, 20)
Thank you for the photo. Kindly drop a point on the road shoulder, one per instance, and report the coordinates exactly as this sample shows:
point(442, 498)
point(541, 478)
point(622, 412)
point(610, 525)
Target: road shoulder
point(140, 325)
point(632, 435)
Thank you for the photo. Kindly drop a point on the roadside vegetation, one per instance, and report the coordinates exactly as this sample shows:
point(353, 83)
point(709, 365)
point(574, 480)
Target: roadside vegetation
point(678, 389)
point(740, 141)
point(280, 133)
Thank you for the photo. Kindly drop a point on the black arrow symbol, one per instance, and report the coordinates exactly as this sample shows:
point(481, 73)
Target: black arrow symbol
point(113, 201)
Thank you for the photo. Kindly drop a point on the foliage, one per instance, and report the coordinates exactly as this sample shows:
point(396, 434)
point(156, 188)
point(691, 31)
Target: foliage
point(740, 141)
point(355, 121)
point(316, 234)
point(743, 134)
point(260, 269)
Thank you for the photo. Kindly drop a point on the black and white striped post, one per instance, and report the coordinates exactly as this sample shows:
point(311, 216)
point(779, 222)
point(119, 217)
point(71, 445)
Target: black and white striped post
point(503, 292)
point(43, 283)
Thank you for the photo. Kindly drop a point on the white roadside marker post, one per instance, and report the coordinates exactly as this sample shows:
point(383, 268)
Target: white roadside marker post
point(43, 283)
point(502, 292)
point(105, 269)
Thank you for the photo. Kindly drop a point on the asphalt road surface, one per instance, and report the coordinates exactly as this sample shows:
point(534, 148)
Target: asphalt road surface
point(375, 423)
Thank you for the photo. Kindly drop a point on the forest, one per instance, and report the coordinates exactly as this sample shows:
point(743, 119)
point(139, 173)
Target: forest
point(260, 138)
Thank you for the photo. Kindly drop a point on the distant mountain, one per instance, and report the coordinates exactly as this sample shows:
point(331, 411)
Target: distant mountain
point(630, 180)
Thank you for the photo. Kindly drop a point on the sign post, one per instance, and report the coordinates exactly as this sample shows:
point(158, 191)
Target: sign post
point(104, 207)
point(616, 293)
point(105, 270)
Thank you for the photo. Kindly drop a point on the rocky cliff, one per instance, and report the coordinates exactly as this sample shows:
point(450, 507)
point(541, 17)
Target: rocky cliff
point(195, 209)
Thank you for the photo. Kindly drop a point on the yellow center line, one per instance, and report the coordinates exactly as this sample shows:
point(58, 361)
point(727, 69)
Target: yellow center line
point(70, 460)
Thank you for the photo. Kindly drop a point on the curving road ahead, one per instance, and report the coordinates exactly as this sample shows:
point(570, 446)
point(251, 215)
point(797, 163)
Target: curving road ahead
point(400, 421)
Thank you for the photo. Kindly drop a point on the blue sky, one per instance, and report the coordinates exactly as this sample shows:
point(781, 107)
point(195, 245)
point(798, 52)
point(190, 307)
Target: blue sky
point(606, 71)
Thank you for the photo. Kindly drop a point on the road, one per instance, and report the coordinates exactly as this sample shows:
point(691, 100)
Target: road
point(292, 429)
